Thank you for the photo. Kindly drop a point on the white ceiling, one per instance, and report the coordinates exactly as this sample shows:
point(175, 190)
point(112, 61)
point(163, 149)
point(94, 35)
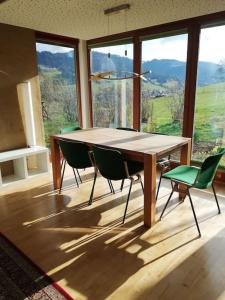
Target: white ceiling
point(85, 19)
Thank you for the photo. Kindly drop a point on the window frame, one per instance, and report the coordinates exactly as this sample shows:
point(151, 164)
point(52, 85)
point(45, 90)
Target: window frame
point(58, 40)
point(193, 27)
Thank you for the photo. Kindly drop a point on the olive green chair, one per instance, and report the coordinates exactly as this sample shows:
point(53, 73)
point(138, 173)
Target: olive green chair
point(194, 177)
point(76, 155)
point(63, 164)
point(112, 166)
point(69, 129)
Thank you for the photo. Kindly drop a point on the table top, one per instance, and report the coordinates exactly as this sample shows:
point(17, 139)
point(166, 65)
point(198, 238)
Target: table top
point(139, 142)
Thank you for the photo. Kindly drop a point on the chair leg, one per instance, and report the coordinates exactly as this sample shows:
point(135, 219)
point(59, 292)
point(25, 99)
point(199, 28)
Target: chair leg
point(79, 175)
point(62, 175)
point(111, 186)
point(62, 163)
point(75, 177)
point(217, 203)
point(128, 197)
point(122, 183)
point(160, 178)
point(142, 186)
point(192, 206)
point(171, 194)
point(92, 190)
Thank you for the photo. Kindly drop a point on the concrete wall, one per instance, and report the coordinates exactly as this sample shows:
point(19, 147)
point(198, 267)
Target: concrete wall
point(17, 64)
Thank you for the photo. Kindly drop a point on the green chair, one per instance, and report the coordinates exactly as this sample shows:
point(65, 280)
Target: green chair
point(127, 129)
point(112, 166)
point(68, 130)
point(162, 163)
point(194, 177)
point(76, 154)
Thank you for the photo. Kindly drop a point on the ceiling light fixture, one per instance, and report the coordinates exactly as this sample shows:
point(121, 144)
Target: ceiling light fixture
point(122, 74)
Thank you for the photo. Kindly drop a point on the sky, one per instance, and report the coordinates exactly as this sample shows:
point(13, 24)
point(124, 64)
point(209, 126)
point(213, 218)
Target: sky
point(52, 48)
point(212, 47)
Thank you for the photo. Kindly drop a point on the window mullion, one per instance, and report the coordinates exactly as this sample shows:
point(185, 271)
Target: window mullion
point(191, 78)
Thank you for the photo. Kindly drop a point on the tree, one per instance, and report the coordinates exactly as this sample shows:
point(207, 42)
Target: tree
point(176, 101)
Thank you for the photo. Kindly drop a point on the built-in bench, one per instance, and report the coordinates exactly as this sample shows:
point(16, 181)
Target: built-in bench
point(26, 163)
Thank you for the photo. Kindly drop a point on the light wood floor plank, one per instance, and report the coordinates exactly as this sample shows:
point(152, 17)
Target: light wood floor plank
point(92, 255)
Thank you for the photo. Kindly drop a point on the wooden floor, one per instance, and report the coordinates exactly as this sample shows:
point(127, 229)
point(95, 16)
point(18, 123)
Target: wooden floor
point(93, 256)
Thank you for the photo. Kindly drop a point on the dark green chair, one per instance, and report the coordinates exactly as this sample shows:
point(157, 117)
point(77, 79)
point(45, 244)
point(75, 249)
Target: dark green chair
point(162, 163)
point(127, 129)
point(194, 177)
point(68, 130)
point(112, 166)
point(164, 166)
point(76, 154)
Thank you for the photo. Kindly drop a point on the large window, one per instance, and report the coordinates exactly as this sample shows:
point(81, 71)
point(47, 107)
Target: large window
point(57, 74)
point(112, 99)
point(209, 131)
point(162, 93)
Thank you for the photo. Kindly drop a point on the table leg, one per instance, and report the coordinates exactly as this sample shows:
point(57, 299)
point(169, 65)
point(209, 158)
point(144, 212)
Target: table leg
point(55, 157)
point(185, 155)
point(185, 159)
point(149, 189)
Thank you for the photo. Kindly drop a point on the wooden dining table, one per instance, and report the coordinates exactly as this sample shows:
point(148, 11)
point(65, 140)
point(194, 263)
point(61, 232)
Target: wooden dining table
point(137, 146)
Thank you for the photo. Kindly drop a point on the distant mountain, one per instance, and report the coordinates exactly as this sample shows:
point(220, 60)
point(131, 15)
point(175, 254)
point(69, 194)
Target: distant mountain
point(162, 70)
point(64, 62)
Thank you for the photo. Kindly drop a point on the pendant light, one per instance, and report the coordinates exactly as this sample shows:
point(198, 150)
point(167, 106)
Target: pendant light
point(117, 75)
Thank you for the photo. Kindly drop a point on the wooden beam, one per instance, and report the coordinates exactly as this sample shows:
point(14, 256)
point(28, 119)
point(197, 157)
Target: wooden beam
point(56, 39)
point(136, 83)
point(191, 77)
point(78, 88)
point(89, 87)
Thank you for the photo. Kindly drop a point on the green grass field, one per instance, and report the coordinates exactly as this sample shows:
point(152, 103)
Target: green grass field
point(209, 127)
point(209, 114)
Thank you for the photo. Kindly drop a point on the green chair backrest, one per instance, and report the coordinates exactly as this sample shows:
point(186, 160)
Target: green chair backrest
point(76, 154)
point(208, 170)
point(127, 128)
point(69, 129)
point(110, 163)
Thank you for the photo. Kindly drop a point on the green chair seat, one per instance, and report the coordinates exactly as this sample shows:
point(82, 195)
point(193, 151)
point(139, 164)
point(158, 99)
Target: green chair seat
point(200, 178)
point(186, 174)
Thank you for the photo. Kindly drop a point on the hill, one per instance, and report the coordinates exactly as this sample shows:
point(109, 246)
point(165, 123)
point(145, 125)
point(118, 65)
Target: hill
point(162, 70)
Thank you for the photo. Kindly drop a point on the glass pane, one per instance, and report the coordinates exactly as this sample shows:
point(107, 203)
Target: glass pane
point(210, 94)
point(162, 93)
point(57, 74)
point(112, 99)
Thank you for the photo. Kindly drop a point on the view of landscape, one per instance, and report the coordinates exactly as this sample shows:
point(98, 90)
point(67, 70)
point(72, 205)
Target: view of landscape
point(112, 99)
point(162, 93)
point(57, 75)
